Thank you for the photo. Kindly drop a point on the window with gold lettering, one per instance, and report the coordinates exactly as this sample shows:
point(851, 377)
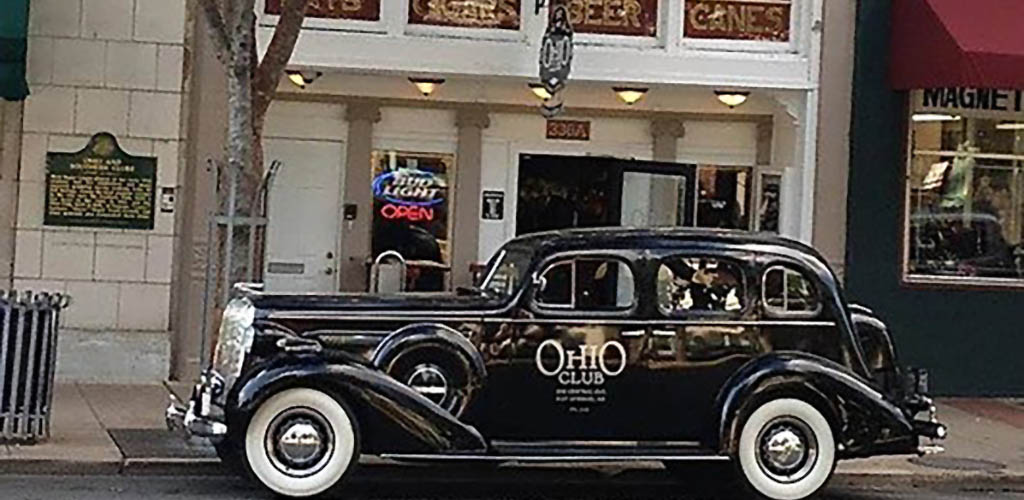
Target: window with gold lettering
point(361, 10)
point(615, 17)
point(756, 20)
point(493, 14)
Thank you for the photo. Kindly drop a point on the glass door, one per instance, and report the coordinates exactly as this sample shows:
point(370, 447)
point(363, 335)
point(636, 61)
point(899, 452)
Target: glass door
point(656, 194)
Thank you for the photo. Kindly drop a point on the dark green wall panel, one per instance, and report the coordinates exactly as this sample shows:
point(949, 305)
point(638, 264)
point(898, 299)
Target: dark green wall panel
point(972, 341)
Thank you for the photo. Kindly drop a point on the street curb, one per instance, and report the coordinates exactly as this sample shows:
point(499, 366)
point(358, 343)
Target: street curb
point(32, 467)
point(386, 474)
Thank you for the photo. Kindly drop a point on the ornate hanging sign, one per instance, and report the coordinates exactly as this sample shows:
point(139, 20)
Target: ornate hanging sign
point(556, 49)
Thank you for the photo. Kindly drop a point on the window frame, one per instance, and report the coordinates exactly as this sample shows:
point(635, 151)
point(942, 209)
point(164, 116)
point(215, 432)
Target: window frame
point(745, 304)
point(907, 279)
point(773, 312)
point(571, 258)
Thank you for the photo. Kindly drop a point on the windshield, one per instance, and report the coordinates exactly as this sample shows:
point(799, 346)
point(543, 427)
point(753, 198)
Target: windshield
point(506, 271)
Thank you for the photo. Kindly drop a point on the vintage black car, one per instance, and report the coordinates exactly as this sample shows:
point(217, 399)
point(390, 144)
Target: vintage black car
point(581, 345)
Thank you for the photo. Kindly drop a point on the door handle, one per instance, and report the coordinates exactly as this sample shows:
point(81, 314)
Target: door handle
point(329, 271)
point(664, 333)
point(632, 333)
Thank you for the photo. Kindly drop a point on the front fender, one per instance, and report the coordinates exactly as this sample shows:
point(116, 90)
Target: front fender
point(430, 332)
point(864, 421)
point(379, 401)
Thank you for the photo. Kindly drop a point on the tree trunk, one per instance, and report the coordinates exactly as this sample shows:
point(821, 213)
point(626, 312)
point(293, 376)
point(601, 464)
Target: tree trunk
point(251, 85)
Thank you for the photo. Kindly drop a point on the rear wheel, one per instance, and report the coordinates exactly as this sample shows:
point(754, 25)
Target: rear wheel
point(786, 450)
point(300, 443)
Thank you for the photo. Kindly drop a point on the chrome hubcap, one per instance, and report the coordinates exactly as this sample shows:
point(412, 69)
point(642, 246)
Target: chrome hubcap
point(299, 442)
point(787, 450)
point(430, 382)
point(784, 449)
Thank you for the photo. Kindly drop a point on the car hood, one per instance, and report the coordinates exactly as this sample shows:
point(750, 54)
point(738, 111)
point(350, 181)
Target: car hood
point(375, 302)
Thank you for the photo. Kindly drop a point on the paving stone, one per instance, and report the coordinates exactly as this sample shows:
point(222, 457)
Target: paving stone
point(127, 406)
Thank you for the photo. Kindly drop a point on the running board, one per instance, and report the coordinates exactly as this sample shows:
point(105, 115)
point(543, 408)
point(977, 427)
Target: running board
point(428, 457)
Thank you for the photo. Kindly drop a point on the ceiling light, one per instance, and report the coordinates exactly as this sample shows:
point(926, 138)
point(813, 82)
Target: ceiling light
point(539, 91)
point(1010, 126)
point(732, 98)
point(427, 86)
point(630, 95)
point(303, 78)
point(934, 117)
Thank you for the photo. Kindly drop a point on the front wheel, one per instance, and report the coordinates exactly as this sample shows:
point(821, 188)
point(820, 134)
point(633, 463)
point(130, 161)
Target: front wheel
point(300, 443)
point(786, 450)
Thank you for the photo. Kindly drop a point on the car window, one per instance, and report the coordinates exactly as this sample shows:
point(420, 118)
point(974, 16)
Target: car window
point(587, 284)
point(694, 284)
point(788, 292)
point(556, 286)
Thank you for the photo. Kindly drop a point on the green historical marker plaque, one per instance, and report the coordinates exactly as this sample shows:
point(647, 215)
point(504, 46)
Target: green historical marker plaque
point(100, 186)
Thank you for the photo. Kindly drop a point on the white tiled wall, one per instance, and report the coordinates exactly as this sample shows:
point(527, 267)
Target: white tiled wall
point(103, 66)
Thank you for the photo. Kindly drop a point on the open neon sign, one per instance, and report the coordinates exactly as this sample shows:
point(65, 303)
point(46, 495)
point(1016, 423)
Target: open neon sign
point(391, 211)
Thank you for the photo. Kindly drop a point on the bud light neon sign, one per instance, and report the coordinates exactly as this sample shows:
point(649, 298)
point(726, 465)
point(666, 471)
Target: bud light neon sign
point(416, 188)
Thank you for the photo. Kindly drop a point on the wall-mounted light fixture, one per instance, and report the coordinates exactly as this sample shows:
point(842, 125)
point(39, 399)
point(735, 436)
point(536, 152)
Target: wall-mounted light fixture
point(539, 91)
point(935, 117)
point(1010, 126)
point(630, 95)
point(732, 98)
point(302, 78)
point(426, 86)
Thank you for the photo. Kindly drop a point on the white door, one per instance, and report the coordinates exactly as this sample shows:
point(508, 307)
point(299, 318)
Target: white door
point(303, 232)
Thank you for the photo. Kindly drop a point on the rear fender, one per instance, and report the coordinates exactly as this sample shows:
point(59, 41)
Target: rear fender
point(864, 422)
point(411, 422)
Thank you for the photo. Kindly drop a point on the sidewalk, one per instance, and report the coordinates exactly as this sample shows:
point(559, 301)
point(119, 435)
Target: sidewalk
point(110, 429)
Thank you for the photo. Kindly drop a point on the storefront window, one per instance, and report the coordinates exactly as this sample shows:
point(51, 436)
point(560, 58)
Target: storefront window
point(411, 199)
point(965, 189)
point(723, 197)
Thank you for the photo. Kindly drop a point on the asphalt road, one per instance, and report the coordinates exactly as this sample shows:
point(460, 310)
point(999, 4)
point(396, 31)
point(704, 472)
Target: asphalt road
point(161, 488)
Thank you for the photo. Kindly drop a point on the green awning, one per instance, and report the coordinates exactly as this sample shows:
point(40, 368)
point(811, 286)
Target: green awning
point(13, 48)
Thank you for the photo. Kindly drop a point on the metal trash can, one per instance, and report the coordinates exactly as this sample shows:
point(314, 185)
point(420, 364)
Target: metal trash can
point(28, 356)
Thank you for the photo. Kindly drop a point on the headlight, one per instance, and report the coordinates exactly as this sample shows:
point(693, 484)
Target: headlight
point(235, 339)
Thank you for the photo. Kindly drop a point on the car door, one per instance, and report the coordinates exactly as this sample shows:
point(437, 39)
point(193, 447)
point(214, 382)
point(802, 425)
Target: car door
point(564, 371)
point(703, 329)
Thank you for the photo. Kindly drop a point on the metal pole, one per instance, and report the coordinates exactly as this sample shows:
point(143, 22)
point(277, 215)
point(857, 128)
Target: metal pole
point(30, 368)
point(230, 237)
point(15, 377)
point(5, 413)
point(46, 370)
point(210, 268)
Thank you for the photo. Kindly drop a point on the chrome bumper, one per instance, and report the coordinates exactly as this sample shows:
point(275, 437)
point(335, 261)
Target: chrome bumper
point(196, 418)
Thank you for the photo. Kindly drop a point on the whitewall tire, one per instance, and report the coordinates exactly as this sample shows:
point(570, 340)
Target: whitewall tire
point(300, 443)
point(786, 450)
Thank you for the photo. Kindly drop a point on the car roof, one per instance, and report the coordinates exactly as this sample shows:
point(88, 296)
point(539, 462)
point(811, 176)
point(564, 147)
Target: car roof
point(659, 237)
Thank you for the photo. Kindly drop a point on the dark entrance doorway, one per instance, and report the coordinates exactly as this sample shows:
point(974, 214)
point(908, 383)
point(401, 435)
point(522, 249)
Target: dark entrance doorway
point(561, 192)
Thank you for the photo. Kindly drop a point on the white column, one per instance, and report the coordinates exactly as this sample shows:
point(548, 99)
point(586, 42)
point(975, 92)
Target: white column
point(793, 152)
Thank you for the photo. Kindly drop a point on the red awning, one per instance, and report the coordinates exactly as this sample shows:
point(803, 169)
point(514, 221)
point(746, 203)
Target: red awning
point(957, 43)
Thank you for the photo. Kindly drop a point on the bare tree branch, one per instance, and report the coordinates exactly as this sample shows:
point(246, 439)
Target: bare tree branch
point(279, 51)
point(218, 30)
